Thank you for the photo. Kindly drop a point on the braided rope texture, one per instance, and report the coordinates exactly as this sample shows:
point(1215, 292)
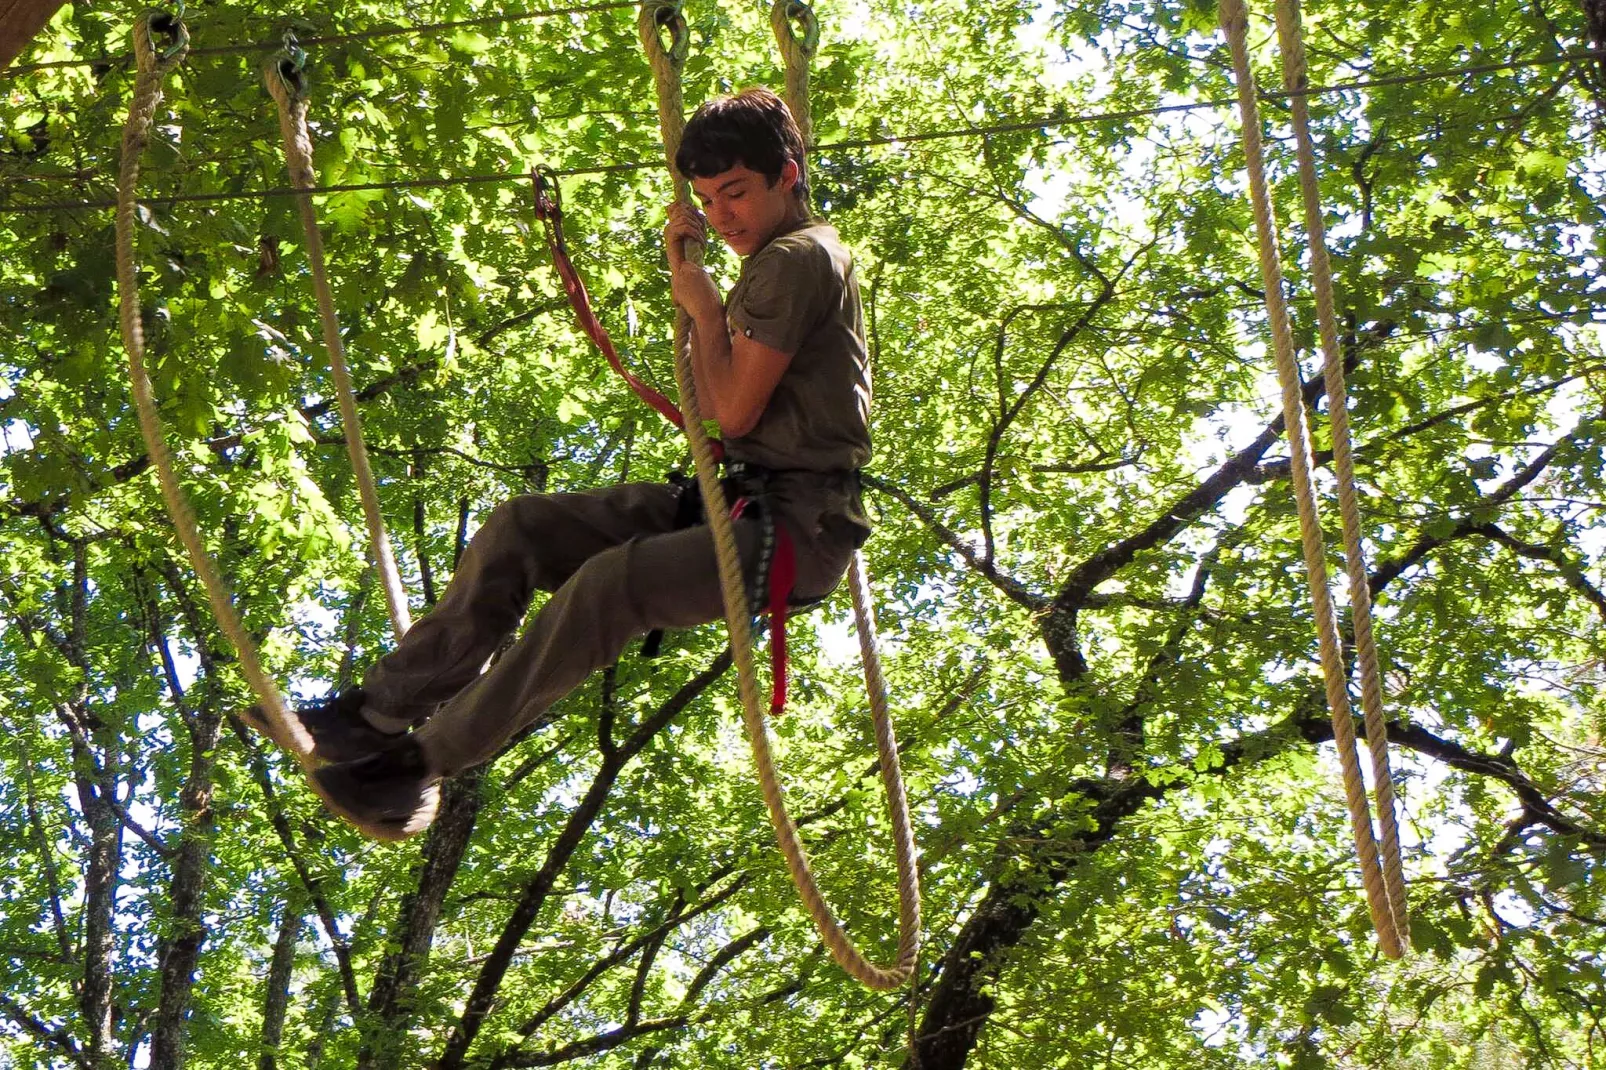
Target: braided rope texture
point(151, 68)
point(284, 85)
point(797, 53)
point(655, 17)
point(1234, 15)
point(1295, 77)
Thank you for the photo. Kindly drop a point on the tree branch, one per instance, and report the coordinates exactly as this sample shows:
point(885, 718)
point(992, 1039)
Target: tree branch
point(483, 997)
point(56, 1037)
point(1016, 591)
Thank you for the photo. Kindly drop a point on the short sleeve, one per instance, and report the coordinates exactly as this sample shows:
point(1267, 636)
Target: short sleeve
point(785, 295)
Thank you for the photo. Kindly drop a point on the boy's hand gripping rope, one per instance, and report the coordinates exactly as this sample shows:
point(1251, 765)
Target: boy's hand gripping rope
point(287, 85)
point(1385, 885)
point(656, 17)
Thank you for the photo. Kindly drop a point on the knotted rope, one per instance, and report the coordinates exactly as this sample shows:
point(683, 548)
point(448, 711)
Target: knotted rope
point(1386, 904)
point(657, 17)
point(286, 84)
point(151, 67)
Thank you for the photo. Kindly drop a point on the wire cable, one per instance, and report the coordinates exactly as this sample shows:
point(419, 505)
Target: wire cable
point(1046, 122)
point(431, 29)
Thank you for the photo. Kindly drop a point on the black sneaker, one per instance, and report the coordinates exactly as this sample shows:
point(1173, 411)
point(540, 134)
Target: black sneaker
point(338, 729)
point(390, 795)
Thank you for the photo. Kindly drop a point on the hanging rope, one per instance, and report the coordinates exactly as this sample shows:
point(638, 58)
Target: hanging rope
point(1295, 79)
point(1387, 916)
point(151, 66)
point(796, 55)
point(656, 18)
point(285, 81)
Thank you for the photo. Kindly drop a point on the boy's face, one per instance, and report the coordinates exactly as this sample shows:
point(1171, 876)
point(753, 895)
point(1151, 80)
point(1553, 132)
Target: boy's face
point(744, 208)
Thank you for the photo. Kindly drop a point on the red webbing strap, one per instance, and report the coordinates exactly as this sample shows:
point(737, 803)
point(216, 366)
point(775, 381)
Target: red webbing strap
point(783, 577)
point(549, 210)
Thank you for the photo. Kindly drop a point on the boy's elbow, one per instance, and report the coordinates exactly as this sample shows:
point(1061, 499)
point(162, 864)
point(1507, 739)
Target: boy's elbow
point(738, 421)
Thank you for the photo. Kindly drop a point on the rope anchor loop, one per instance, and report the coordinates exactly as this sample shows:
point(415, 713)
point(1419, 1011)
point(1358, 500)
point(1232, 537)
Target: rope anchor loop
point(788, 16)
point(169, 26)
point(667, 15)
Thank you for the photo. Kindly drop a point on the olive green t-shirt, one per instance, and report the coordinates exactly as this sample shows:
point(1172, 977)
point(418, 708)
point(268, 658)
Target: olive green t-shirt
point(799, 295)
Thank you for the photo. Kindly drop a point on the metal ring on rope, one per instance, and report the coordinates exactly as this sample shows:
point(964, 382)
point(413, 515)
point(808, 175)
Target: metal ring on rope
point(284, 76)
point(1388, 912)
point(667, 65)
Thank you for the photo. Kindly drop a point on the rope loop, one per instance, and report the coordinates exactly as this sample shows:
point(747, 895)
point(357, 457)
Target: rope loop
point(167, 25)
point(1388, 917)
point(658, 16)
point(733, 589)
point(786, 16)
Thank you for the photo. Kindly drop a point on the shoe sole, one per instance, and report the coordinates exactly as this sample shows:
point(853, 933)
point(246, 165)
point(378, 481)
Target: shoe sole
point(390, 831)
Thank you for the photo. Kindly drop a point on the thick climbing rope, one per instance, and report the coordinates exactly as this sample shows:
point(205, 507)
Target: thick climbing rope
point(151, 67)
point(1387, 910)
point(1295, 78)
point(797, 53)
point(656, 18)
point(287, 85)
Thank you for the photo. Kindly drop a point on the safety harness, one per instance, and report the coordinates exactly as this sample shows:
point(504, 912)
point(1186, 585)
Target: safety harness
point(746, 483)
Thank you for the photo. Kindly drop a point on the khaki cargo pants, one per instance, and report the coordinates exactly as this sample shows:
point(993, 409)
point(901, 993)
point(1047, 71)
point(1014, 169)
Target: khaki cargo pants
point(616, 567)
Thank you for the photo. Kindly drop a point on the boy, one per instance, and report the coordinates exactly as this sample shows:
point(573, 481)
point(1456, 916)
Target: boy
point(780, 364)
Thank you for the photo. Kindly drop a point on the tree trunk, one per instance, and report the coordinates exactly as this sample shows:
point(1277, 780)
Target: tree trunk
point(100, 894)
point(183, 951)
point(390, 1001)
point(277, 999)
point(20, 20)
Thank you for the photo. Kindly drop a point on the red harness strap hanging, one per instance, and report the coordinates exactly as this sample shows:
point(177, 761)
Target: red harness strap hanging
point(549, 210)
point(782, 579)
point(777, 573)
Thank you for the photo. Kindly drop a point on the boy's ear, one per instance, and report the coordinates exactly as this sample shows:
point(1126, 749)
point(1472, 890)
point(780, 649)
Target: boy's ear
point(789, 175)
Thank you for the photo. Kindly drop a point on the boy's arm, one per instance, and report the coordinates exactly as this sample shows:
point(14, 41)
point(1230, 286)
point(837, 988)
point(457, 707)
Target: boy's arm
point(734, 376)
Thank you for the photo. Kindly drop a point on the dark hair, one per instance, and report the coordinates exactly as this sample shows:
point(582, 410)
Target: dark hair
point(752, 129)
